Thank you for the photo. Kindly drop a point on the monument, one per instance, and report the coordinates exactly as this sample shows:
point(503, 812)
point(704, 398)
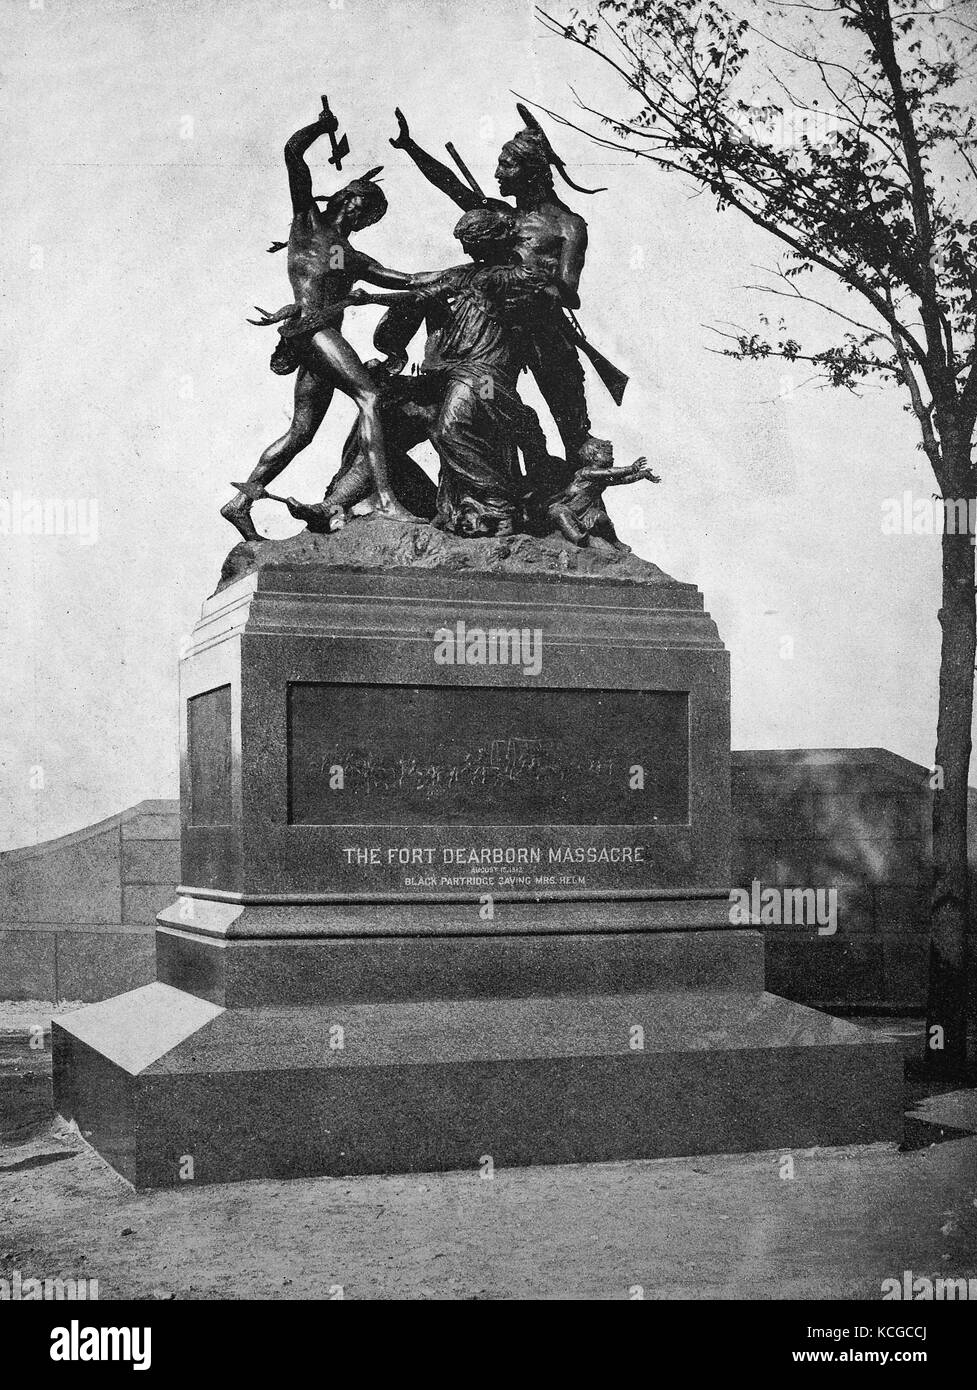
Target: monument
point(454, 776)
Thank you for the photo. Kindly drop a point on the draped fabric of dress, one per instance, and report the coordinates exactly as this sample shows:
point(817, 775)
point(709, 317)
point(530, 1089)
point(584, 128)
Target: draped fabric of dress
point(478, 344)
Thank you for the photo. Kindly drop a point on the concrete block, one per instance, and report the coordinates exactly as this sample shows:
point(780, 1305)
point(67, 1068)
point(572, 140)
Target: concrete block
point(151, 861)
point(906, 966)
point(96, 965)
point(153, 820)
point(142, 902)
point(28, 964)
point(829, 971)
point(77, 881)
point(902, 909)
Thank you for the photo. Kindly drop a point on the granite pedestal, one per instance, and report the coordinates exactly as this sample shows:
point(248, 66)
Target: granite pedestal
point(434, 909)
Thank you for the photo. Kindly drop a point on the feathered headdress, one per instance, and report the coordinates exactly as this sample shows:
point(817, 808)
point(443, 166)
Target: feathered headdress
point(534, 140)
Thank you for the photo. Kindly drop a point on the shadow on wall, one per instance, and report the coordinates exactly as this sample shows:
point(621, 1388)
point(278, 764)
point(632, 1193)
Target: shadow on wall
point(858, 822)
point(77, 914)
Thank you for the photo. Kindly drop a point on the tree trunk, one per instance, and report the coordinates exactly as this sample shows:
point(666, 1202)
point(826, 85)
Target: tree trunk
point(947, 1005)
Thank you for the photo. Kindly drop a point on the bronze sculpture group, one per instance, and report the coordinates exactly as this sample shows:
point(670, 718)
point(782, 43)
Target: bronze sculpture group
point(507, 309)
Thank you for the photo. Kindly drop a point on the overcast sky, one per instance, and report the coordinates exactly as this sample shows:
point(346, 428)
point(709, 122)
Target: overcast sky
point(142, 180)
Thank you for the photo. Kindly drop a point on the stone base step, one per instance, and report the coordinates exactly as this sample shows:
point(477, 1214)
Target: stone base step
point(245, 972)
point(158, 1079)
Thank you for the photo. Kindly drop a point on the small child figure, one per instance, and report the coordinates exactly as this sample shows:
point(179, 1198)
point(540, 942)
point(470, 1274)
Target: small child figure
point(579, 512)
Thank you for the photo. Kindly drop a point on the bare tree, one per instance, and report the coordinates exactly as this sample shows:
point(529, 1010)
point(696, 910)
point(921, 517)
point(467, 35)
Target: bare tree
point(846, 129)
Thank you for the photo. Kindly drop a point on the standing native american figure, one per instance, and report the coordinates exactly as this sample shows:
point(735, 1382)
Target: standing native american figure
point(548, 232)
point(322, 266)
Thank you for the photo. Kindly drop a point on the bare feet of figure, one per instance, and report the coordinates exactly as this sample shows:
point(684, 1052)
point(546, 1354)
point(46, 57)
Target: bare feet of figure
point(238, 510)
point(318, 516)
point(238, 513)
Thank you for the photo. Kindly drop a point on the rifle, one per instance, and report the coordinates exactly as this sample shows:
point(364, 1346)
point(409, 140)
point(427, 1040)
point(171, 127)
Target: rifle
point(466, 172)
point(613, 378)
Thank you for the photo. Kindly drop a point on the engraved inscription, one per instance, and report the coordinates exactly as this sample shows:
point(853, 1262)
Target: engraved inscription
point(435, 755)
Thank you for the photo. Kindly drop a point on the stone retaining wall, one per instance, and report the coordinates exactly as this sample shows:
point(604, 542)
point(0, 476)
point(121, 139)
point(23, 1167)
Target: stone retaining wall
point(856, 821)
point(77, 914)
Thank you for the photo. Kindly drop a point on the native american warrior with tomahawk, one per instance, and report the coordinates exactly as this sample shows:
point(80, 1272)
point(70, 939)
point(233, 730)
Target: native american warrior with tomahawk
point(322, 266)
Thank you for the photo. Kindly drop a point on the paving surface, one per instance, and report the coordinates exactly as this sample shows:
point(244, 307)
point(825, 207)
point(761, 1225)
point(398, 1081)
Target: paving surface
point(828, 1223)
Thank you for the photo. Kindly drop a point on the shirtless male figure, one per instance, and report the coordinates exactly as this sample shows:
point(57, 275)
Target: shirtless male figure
point(322, 266)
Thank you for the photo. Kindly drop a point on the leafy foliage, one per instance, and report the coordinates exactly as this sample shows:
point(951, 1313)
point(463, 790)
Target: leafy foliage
point(844, 129)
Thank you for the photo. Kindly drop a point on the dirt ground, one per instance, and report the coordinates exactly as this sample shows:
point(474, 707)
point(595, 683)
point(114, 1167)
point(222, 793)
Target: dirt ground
point(718, 1227)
